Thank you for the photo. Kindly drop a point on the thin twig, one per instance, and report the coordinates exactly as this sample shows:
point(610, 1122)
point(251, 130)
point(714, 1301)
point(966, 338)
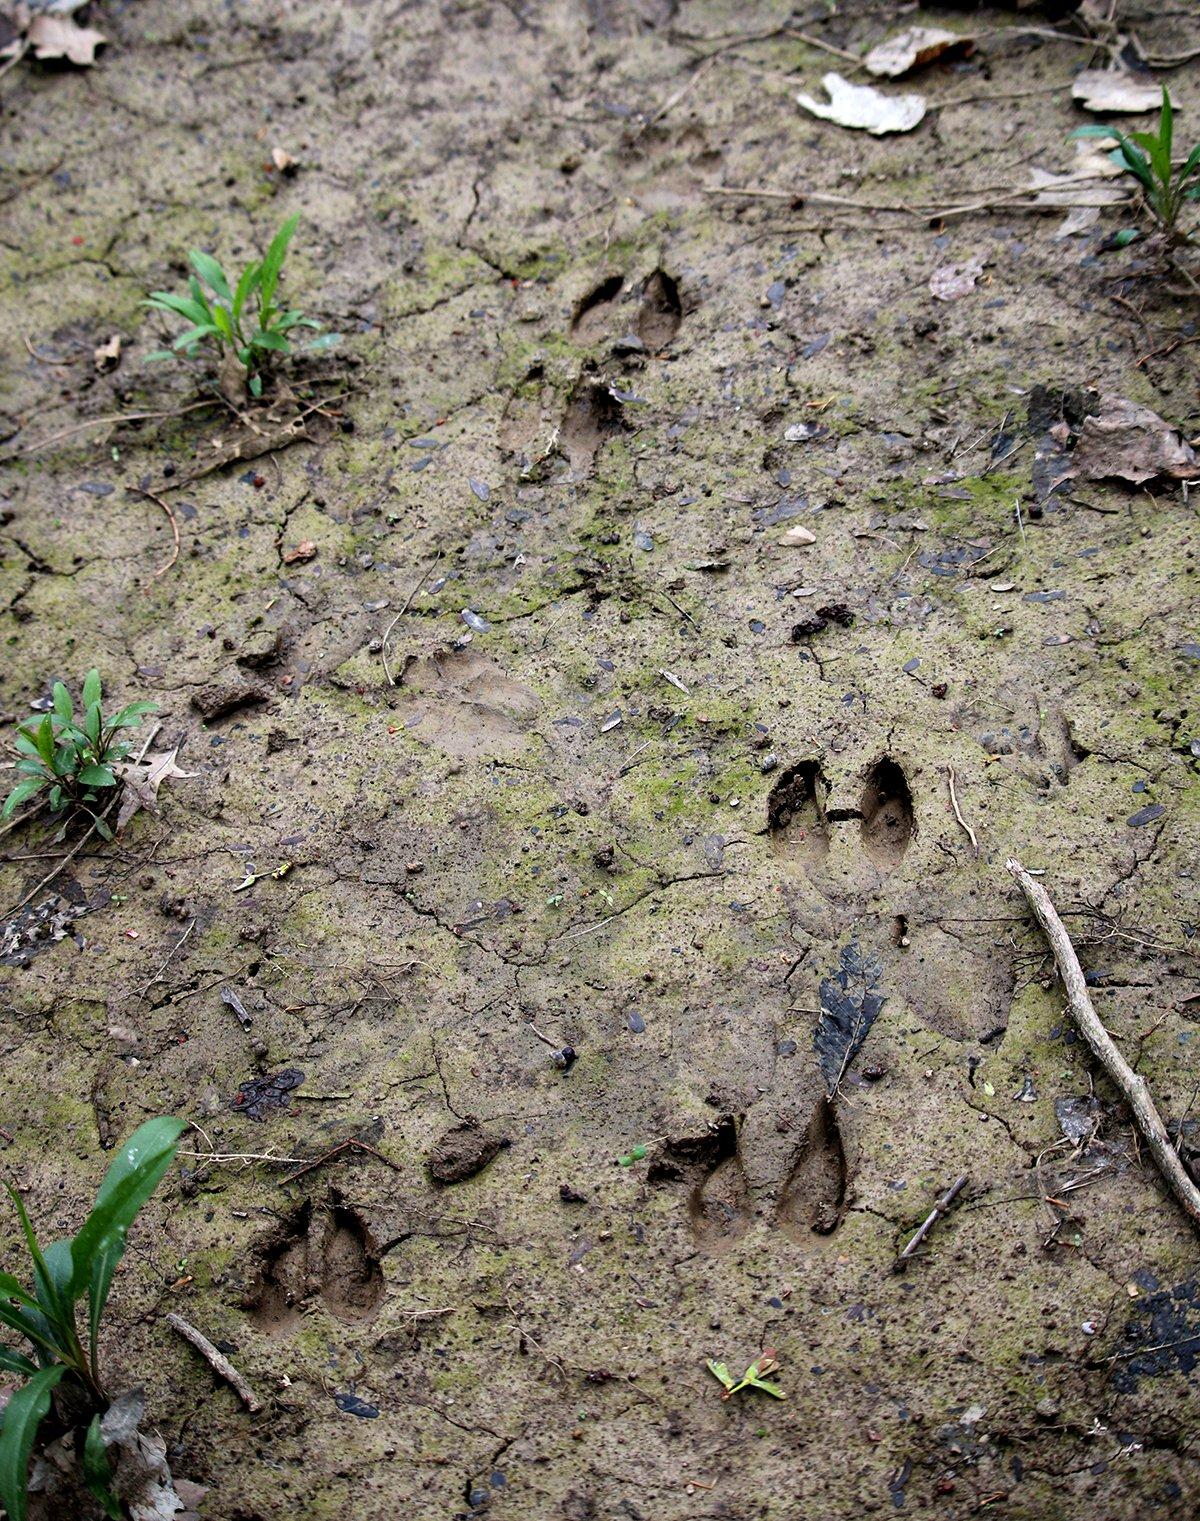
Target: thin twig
point(175, 949)
point(113, 417)
point(166, 507)
point(958, 810)
point(408, 601)
point(1127, 1082)
point(352, 1143)
point(16, 57)
point(931, 1219)
point(217, 1361)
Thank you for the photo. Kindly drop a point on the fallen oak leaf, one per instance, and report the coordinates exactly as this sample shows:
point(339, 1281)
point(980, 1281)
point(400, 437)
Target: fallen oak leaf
point(142, 780)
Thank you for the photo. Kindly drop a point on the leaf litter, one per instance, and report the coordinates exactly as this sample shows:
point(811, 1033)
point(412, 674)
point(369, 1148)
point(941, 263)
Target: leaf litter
point(851, 999)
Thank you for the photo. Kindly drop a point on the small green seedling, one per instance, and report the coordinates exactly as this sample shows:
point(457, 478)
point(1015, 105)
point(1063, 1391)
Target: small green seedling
point(752, 1378)
point(70, 757)
point(1147, 156)
point(242, 320)
point(66, 1272)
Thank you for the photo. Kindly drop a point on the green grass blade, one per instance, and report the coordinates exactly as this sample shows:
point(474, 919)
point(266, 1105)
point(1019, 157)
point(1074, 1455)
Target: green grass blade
point(135, 1173)
point(46, 1279)
point(164, 301)
point(245, 288)
point(211, 273)
point(97, 1474)
point(44, 739)
point(22, 1417)
point(195, 334)
point(20, 794)
point(273, 263)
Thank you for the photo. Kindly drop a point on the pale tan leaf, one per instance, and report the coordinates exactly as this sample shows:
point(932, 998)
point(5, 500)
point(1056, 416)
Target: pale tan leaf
point(864, 108)
point(59, 37)
point(1116, 90)
point(913, 48)
point(950, 281)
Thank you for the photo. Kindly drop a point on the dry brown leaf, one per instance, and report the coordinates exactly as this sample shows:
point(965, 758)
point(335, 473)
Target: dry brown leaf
point(142, 780)
point(305, 550)
point(284, 161)
point(1116, 90)
point(864, 108)
point(951, 281)
point(913, 48)
point(1131, 443)
point(106, 356)
point(60, 37)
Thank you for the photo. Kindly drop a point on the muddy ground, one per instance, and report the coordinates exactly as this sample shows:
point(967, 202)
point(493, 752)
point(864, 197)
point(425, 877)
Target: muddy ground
point(583, 400)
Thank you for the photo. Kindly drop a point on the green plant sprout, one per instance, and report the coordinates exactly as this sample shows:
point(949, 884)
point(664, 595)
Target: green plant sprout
point(1147, 156)
point(66, 1272)
point(71, 758)
point(244, 320)
point(752, 1378)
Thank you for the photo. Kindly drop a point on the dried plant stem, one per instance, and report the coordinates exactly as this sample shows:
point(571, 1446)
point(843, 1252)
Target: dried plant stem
point(939, 1209)
point(1129, 1084)
point(217, 1361)
point(958, 811)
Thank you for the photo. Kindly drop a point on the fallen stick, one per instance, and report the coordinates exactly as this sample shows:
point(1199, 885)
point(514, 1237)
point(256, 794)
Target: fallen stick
point(958, 811)
point(217, 1361)
point(1131, 1087)
point(940, 1208)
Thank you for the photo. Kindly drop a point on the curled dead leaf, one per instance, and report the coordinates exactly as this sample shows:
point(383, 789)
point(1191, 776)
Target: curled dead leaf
point(106, 356)
point(864, 108)
point(1116, 90)
point(913, 49)
point(60, 37)
point(305, 550)
point(1131, 443)
point(283, 161)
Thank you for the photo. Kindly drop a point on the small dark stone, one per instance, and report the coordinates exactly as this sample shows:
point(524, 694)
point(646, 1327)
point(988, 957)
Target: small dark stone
point(570, 1195)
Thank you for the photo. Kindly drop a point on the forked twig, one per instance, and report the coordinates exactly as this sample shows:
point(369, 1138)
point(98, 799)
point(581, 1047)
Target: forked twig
point(1129, 1084)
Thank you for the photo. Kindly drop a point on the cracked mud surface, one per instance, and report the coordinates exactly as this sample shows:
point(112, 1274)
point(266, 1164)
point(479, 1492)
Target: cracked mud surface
point(537, 841)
